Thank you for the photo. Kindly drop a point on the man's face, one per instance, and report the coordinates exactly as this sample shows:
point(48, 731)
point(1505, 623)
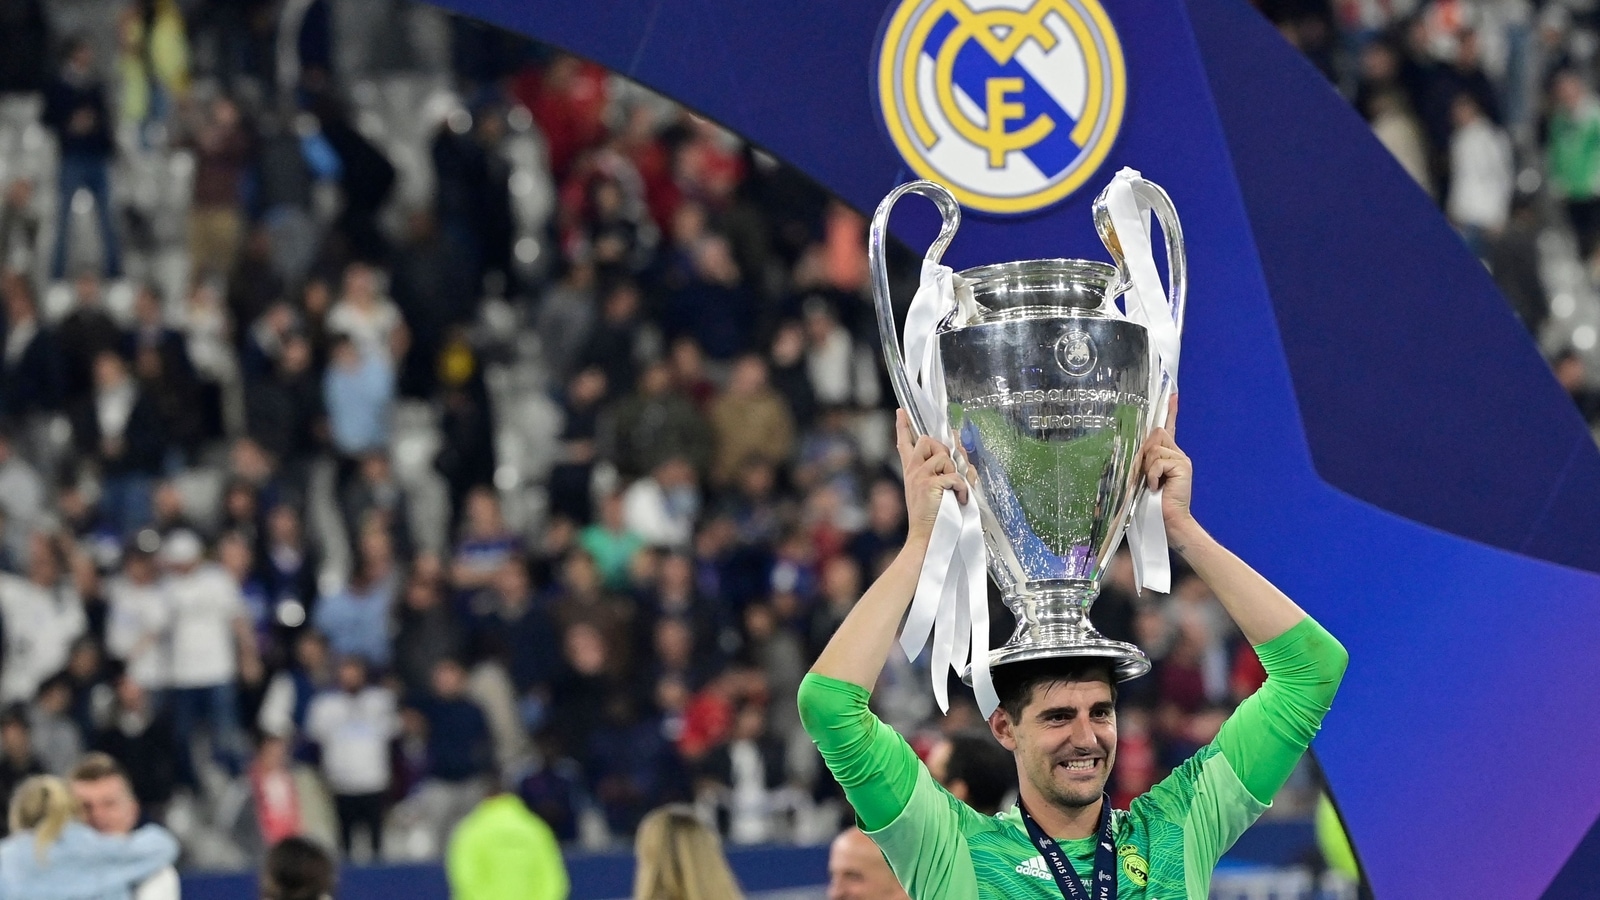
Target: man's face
point(108, 805)
point(1065, 741)
point(857, 870)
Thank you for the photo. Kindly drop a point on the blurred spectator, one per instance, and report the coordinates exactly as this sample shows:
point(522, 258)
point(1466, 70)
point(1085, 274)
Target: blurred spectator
point(748, 768)
point(356, 618)
point(86, 332)
point(715, 306)
point(19, 222)
point(26, 69)
point(76, 110)
point(358, 391)
point(284, 409)
point(289, 696)
point(1514, 262)
point(367, 317)
point(1480, 175)
point(212, 646)
point(57, 740)
point(366, 178)
point(153, 63)
point(42, 615)
point(223, 154)
point(18, 761)
point(508, 627)
point(858, 871)
point(662, 507)
point(288, 565)
point(119, 429)
point(22, 496)
point(428, 634)
point(105, 796)
point(975, 769)
point(610, 543)
point(790, 374)
point(501, 851)
point(566, 318)
point(654, 424)
point(375, 498)
point(622, 341)
point(353, 724)
point(138, 734)
point(749, 421)
point(678, 858)
point(460, 756)
point(32, 380)
point(1574, 156)
point(273, 789)
point(485, 543)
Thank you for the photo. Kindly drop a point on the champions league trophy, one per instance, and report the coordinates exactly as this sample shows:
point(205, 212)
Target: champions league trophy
point(1050, 390)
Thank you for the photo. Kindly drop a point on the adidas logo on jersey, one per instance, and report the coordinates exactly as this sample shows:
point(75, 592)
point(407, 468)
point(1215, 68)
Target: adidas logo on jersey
point(1036, 868)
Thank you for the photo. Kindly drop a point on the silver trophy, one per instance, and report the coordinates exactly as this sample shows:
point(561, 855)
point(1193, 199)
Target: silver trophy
point(1049, 390)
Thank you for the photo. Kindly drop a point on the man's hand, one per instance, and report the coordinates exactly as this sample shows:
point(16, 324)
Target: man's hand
point(1168, 468)
point(929, 472)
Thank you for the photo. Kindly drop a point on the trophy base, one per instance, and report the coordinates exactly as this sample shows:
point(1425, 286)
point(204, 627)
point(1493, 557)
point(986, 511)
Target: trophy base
point(1126, 660)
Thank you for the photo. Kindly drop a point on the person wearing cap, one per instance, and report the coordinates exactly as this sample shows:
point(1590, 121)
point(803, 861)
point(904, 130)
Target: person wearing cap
point(212, 644)
point(1057, 717)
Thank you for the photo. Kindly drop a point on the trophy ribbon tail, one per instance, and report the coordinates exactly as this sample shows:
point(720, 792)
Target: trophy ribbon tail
point(951, 601)
point(1148, 305)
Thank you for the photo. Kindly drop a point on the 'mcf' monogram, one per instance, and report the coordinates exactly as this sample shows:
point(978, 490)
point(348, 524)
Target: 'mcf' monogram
point(1000, 33)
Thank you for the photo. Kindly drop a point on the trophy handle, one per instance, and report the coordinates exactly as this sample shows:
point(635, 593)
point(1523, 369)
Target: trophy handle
point(950, 212)
point(1172, 231)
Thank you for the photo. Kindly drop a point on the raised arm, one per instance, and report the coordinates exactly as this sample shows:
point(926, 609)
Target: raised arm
point(857, 651)
point(1264, 739)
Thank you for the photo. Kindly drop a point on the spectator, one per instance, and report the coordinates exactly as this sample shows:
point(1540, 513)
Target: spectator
point(428, 633)
point(139, 735)
point(611, 544)
point(376, 498)
point(19, 225)
point(297, 869)
point(566, 318)
point(460, 755)
point(1480, 175)
point(223, 154)
point(510, 628)
point(622, 341)
point(858, 871)
point(501, 851)
point(50, 854)
point(353, 724)
point(41, 615)
point(366, 316)
point(750, 420)
point(656, 423)
point(76, 110)
point(22, 496)
point(715, 306)
point(32, 377)
point(749, 768)
point(105, 796)
point(790, 375)
point(1574, 156)
point(289, 696)
point(287, 564)
point(212, 645)
point(86, 332)
point(284, 410)
point(679, 858)
point(18, 761)
point(356, 618)
point(118, 428)
point(273, 789)
point(662, 507)
point(974, 768)
point(485, 543)
point(358, 391)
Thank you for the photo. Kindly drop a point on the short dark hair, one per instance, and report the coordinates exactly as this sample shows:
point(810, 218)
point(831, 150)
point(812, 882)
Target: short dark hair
point(988, 771)
point(297, 869)
point(1014, 682)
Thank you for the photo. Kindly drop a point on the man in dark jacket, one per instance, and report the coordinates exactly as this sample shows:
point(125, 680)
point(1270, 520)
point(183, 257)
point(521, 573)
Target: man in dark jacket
point(75, 109)
point(117, 427)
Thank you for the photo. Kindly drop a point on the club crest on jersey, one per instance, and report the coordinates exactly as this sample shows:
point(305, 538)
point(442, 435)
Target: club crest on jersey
point(1012, 104)
point(1134, 866)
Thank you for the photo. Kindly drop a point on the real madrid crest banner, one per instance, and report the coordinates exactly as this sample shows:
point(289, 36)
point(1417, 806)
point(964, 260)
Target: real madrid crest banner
point(1011, 105)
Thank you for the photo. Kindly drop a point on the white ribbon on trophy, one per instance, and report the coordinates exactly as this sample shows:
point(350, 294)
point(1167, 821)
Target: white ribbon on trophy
point(952, 598)
point(1146, 303)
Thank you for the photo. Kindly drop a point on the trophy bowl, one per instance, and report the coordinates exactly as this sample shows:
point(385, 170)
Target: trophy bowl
point(1050, 396)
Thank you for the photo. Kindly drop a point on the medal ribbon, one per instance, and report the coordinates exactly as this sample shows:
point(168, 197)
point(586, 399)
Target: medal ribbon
point(1104, 880)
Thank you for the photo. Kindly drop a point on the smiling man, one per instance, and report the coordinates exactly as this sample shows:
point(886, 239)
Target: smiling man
point(1057, 717)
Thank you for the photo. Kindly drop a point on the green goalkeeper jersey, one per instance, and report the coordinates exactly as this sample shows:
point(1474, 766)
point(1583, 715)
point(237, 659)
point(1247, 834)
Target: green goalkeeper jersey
point(1168, 841)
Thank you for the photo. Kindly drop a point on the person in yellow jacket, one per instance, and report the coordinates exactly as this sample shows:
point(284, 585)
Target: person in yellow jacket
point(502, 851)
point(153, 62)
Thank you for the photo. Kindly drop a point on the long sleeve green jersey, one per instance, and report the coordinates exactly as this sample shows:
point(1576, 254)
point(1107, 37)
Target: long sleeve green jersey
point(1168, 841)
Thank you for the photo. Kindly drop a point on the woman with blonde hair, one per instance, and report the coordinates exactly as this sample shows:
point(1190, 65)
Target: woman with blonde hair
point(679, 858)
point(51, 854)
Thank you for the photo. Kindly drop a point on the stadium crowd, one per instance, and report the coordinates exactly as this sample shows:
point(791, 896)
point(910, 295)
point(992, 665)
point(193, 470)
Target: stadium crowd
point(386, 419)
